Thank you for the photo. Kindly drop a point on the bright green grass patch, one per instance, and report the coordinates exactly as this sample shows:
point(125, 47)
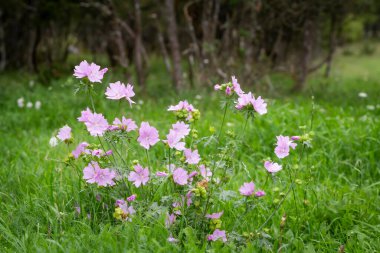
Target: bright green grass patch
point(337, 194)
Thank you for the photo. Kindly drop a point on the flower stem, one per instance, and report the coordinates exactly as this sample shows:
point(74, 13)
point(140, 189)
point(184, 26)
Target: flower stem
point(91, 99)
point(224, 117)
point(214, 163)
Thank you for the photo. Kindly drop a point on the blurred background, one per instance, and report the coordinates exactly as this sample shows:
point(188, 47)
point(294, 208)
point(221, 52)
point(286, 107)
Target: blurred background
point(188, 44)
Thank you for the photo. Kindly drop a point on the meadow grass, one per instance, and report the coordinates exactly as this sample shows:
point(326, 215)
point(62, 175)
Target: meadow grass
point(336, 200)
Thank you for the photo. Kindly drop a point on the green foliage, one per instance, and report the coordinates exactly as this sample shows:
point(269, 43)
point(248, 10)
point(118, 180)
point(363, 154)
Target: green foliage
point(337, 194)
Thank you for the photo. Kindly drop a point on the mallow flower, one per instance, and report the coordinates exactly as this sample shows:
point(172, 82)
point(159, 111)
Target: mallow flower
point(125, 124)
point(91, 71)
point(180, 176)
point(170, 219)
point(148, 135)
point(205, 172)
point(284, 143)
point(247, 189)
point(80, 149)
point(174, 140)
point(140, 176)
point(124, 212)
point(95, 122)
point(216, 235)
point(246, 100)
point(259, 194)
point(118, 90)
point(94, 174)
point(181, 129)
point(272, 167)
point(192, 157)
point(214, 215)
point(64, 133)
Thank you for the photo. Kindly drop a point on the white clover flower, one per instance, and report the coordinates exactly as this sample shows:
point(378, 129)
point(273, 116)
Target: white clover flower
point(363, 94)
point(371, 107)
point(29, 105)
point(20, 102)
point(37, 105)
point(53, 141)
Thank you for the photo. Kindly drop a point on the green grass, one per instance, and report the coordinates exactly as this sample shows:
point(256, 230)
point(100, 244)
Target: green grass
point(337, 195)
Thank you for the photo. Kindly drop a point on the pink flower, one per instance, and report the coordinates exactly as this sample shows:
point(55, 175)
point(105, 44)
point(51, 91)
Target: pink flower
point(180, 176)
point(128, 211)
point(244, 100)
point(115, 91)
point(214, 215)
point(217, 87)
point(125, 124)
point(96, 124)
point(118, 90)
point(205, 172)
point(64, 133)
point(272, 167)
point(283, 146)
point(182, 105)
point(259, 194)
point(174, 141)
point(161, 174)
point(131, 198)
point(170, 219)
point(148, 136)
point(129, 93)
point(218, 234)
point(91, 71)
point(140, 176)
point(172, 239)
point(119, 202)
point(193, 174)
point(94, 174)
point(181, 129)
point(228, 91)
point(189, 194)
point(79, 149)
point(236, 86)
point(295, 138)
point(192, 157)
point(258, 104)
point(85, 115)
point(247, 189)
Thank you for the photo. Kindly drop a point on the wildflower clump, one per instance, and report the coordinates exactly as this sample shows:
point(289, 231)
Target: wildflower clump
point(126, 171)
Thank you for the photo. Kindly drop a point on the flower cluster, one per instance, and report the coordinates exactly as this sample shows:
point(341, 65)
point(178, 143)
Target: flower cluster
point(185, 111)
point(189, 185)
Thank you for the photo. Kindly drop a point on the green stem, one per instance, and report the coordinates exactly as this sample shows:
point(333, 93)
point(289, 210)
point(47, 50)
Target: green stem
point(282, 200)
point(224, 117)
point(214, 163)
point(91, 99)
point(294, 195)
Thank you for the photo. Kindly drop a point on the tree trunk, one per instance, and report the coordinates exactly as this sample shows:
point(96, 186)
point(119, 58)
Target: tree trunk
point(304, 57)
point(3, 56)
point(138, 47)
point(174, 45)
point(332, 44)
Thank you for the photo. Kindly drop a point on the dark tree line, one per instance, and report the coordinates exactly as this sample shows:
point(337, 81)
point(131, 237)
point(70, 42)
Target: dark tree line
point(204, 38)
